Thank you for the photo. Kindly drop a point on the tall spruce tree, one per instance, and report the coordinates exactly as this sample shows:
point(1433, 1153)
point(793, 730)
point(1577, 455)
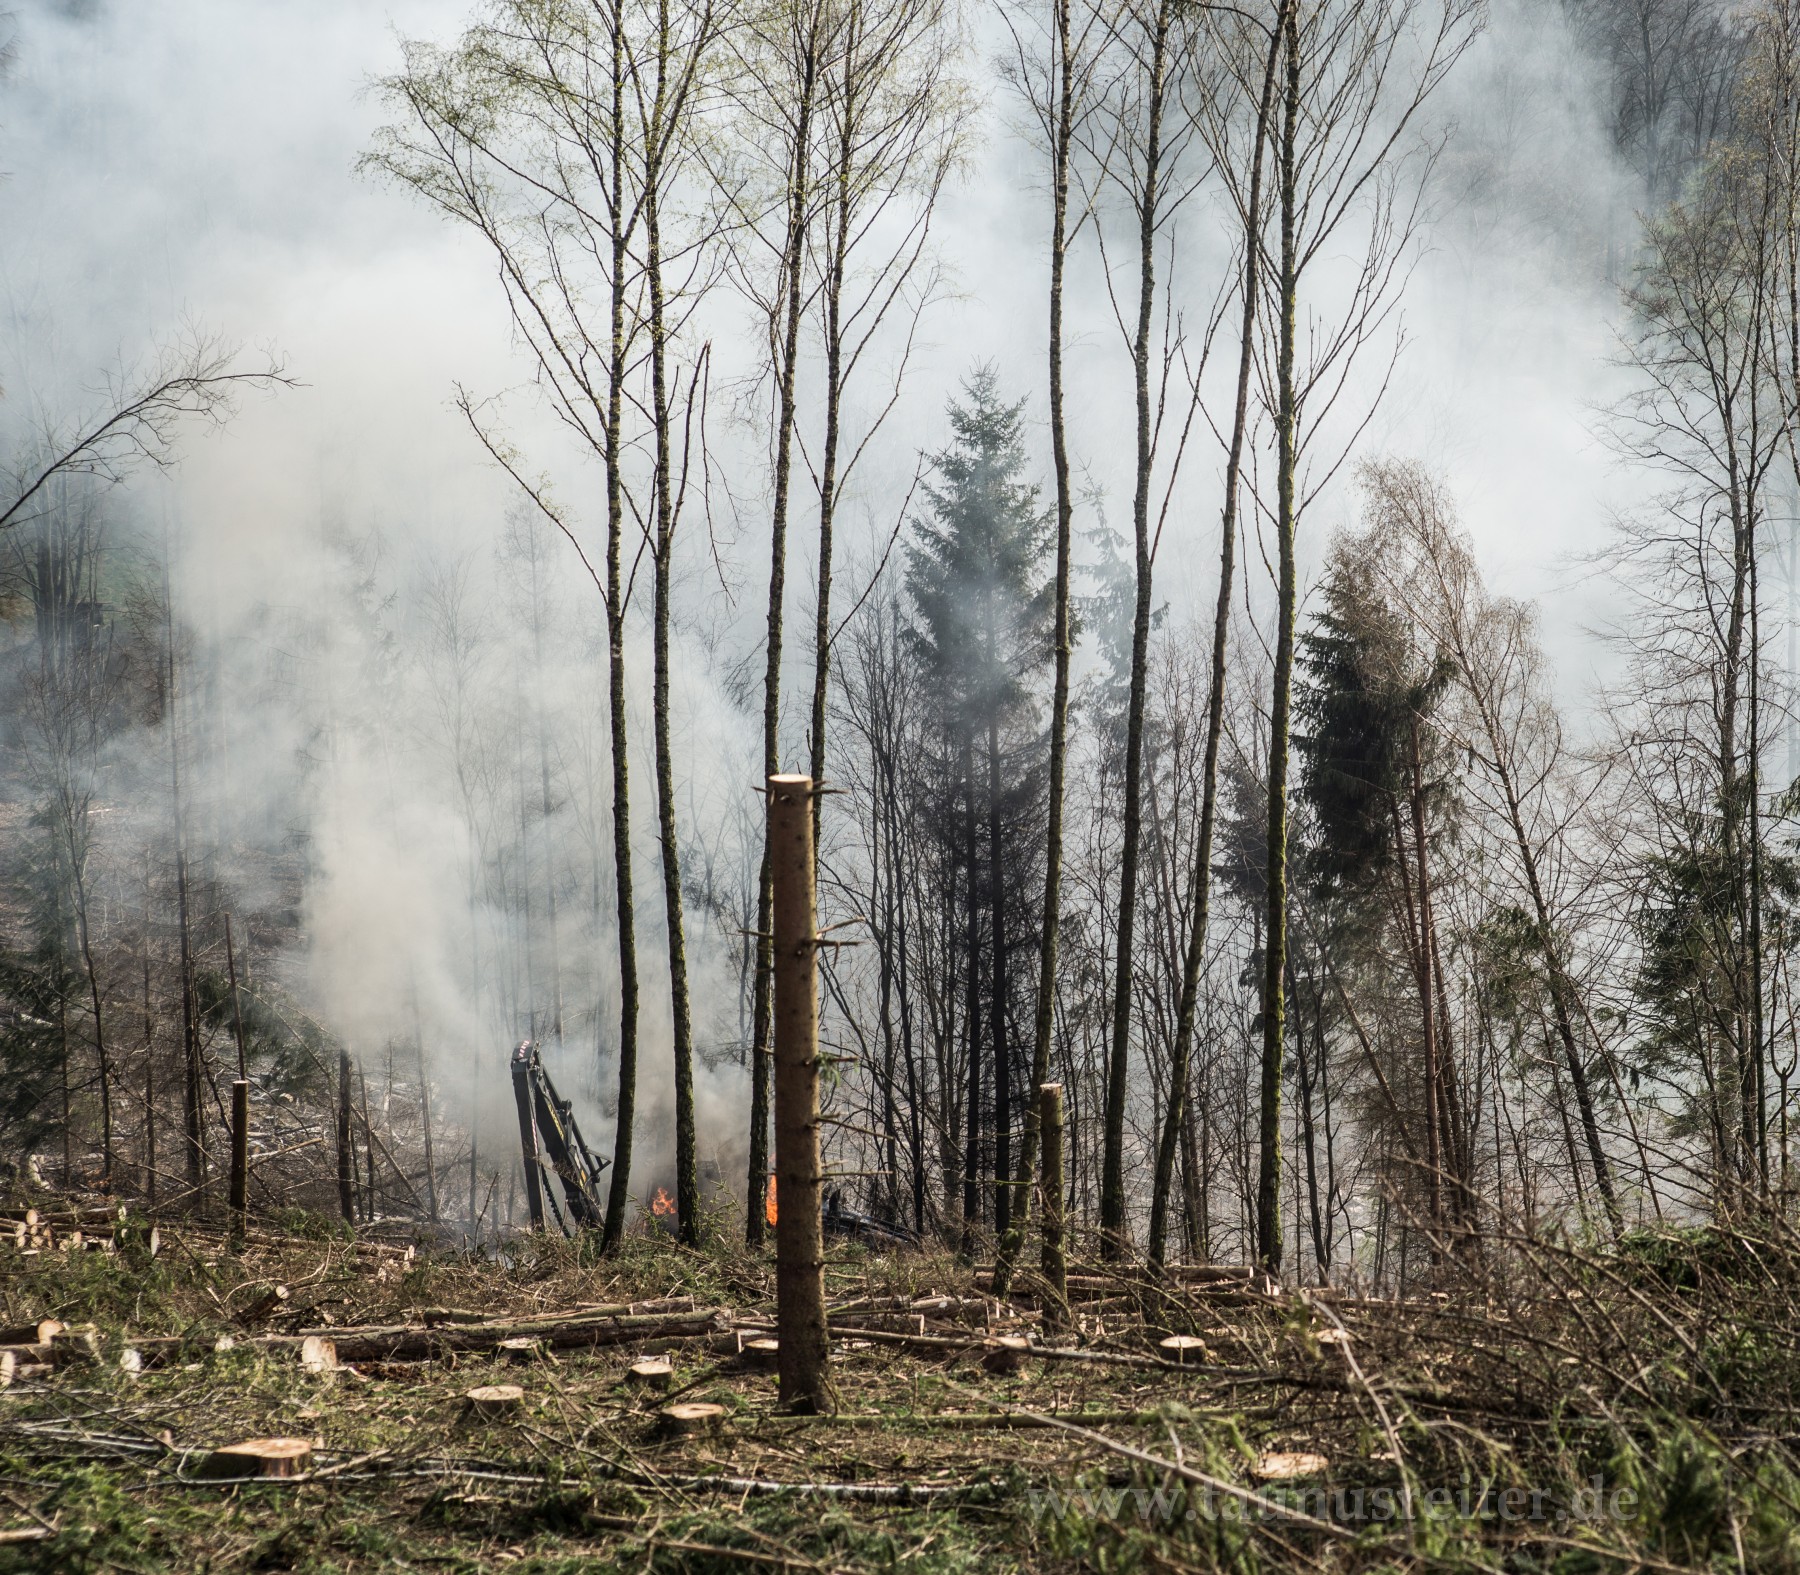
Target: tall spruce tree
point(979, 631)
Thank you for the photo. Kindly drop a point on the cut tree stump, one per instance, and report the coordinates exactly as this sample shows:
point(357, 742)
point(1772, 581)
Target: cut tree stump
point(761, 1352)
point(261, 1457)
point(653, 1372)
point(1008, 1355)
point(491, 1400)
point(521, 1349)
point(1284, 1465)
point(689, 1418)
point(1183, 1348)
point(318, 1355)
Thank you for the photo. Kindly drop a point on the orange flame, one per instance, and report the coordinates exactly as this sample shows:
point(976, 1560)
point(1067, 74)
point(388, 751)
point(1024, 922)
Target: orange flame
point(662, 1205)
point(769, 1207)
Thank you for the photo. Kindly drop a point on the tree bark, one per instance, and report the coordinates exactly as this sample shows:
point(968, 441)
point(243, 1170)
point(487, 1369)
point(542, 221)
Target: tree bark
point(799, 209)
point(1049, 938)
point(1201, 883)
point(1268, 1175)
point(619, 1194)
point(799, 1239)
point(1112, 1182)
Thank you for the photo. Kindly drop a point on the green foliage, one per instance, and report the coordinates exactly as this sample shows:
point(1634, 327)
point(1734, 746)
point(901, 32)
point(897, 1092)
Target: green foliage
point(1364, 710)
point(975, 566)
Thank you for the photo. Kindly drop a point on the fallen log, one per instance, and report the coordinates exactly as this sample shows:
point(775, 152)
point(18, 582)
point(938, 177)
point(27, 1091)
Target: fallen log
point(409, 1342)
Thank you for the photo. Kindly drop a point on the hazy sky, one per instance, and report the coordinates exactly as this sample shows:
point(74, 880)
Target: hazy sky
point(196, 159)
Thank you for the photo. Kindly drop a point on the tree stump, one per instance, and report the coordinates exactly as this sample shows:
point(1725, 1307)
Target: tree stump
point(318, 1355)
point(653, 1372)
point(762, 1352)
point(1007, 1355)
point(1285, 1465)
point(261, 1457)
point(1183, 1349)
point(491, 1400)
point(521, 1350)
point(689, 1419)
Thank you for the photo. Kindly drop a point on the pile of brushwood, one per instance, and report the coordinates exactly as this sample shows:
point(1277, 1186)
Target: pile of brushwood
point(179, 1398)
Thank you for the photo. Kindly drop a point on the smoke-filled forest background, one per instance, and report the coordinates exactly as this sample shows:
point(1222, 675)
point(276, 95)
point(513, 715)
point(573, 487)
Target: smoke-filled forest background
point(453, 454)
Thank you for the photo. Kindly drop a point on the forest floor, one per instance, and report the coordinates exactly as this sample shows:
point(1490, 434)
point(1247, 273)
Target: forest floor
point(1571, 1412)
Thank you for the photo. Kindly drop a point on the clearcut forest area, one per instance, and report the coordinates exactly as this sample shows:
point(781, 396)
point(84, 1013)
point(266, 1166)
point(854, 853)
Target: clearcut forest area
point(952, 785)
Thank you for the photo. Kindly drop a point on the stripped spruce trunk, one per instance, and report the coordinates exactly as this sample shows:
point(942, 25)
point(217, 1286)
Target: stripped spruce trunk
point(1112, 1183)
point(1176, 1112)
point(799, 205)
point(1049, 939)
point(799, 1234)
point(1268, 1171)
point(619, 1194)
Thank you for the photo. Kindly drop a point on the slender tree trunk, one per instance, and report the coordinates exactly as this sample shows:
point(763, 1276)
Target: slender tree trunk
point(997, 1005)
point(971, 1188)
point(799, 205)
point(1054, 1269)
point(619, 1194)
point(431, 1193)
point(192, 1108)
point(1049, 938)
point(346, 1158)
point(1268, 1177)
point(1758, 1038)
point(1201, 881)
point(687, 1170)
point(100, 1046)
point(834, 393)
point(1419, 912)
point(1112, 1184)
point(149, 1061)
